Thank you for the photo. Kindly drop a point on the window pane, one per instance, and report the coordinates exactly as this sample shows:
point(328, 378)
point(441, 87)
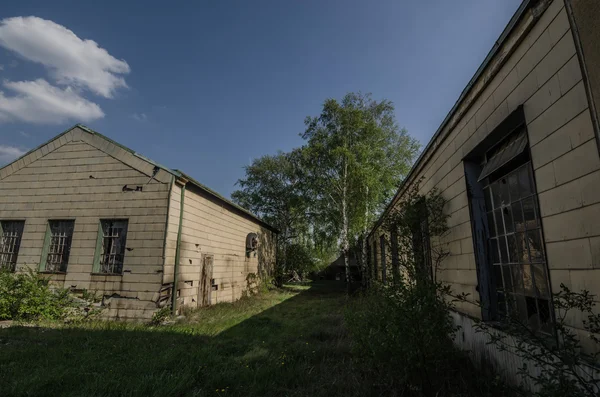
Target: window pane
point(498, 277)
point(499, 223)
point(496, 194)
point(528, 281)
point(521, 245)
point(520, 304)
point(508, 219)
point(501, 303)
point(113, 245)
point(545, 318)
point(532, 313)
point(508, 285)
point(503, 249)
point(491, 224)
point(504, 196)
point(513, 253)
point(488, 198)
point(513, 186)
point(541, 284)
point(525, 185)
point(518, 216)
point(535, 245)
point(61, 234)
point(10, 241)
point(517, 273)
point(494, 250)
point(529, 213)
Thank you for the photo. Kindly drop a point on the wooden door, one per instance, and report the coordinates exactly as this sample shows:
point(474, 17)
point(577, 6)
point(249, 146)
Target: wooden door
point(205, 287)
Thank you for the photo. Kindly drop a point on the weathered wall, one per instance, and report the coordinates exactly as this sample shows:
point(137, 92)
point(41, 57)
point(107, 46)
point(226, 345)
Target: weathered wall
point(585, 17)
point(70, 178)
point(212, 227)
point(538, 68)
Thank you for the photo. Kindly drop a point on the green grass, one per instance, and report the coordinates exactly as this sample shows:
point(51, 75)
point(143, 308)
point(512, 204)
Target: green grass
point(290, 342)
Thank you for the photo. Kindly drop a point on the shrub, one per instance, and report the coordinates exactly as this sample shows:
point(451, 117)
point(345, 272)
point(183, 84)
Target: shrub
point(26, 296)
point(404, 334)
point(563, 367)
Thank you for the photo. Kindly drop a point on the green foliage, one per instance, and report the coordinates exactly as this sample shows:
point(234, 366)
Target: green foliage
point(403, 335)
point(354, 160)
point(26, 296)
point(161, 316)
point(563, 367)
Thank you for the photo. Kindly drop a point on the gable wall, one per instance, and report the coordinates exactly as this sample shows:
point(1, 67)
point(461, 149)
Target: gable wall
point(70, 178)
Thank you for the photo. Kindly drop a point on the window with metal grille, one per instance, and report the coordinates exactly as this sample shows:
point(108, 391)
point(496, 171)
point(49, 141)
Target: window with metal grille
point(516, 250)
point(111, 246)
point(59, 237)
point(11, 233)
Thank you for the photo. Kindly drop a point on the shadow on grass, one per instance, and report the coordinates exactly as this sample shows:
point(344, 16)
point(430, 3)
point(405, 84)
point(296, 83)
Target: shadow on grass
point(298, 347)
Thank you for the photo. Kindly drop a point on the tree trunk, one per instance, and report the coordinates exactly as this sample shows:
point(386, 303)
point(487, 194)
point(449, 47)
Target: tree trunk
point(363, 256)
point(344, 236)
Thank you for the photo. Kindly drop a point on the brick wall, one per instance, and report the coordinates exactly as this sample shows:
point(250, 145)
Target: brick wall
point(537, 68)
point(212, 227)
point(71, 178)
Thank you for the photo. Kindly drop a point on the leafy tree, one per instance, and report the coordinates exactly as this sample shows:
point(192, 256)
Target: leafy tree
point(354, 159)
point(272, 190)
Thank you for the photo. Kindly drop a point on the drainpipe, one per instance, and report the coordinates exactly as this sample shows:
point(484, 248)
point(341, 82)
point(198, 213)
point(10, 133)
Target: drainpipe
point(178, 248)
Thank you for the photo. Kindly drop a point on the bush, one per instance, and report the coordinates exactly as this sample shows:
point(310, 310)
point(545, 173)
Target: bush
point(404, 334)
point(25, 296)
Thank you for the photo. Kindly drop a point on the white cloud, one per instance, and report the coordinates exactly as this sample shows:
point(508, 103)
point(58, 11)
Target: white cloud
point(40, 102)
point(71, 60)
point(9, 153)
point(140, 116)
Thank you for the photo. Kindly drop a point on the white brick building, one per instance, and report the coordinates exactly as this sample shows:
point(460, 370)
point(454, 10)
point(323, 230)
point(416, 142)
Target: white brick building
point(94, 215)
point(517, 159)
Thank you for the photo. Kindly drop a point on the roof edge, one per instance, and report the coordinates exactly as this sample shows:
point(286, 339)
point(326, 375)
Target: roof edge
point(517, 16)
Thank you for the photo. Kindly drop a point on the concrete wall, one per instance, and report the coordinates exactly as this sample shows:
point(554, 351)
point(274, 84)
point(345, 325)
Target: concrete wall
point(214, 228)
point(537, 67)
point(80, 176)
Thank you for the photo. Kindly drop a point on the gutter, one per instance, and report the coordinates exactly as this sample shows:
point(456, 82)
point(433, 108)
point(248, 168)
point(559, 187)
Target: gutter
point(178, 249)
point(525, 6)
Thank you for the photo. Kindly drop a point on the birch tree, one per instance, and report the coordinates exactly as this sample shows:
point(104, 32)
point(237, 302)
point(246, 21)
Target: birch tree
point(354, 159)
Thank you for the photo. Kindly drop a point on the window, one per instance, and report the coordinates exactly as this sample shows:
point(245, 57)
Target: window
point(11, 233)
point(516, 251)
point(57, 246)
point(383, 261)
point(110, 246)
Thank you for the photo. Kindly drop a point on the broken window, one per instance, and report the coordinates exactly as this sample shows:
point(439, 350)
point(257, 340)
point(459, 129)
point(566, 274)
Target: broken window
point(110, 247)
point(57, 245)
point(516, 248)
point(11, 233)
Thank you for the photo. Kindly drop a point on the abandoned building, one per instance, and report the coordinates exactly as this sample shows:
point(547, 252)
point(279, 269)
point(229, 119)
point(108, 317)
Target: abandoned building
point(95, 216)
point(517, 161)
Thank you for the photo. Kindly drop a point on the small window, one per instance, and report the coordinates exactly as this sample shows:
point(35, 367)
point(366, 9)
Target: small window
point(110, 247)
point(421, 244)
point(11, 233)
point(57, 246)
point(375, 275)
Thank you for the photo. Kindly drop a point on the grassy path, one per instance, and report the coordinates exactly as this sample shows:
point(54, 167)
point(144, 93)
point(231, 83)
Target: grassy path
point(284, 343)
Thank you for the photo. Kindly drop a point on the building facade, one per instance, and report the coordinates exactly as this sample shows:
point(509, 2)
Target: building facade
point(95, 216)
point(517, 160)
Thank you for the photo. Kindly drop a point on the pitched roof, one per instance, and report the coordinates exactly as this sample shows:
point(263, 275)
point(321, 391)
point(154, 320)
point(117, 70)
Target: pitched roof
point(174, 172)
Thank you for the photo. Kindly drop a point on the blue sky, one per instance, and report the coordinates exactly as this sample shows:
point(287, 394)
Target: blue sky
point(206, 86)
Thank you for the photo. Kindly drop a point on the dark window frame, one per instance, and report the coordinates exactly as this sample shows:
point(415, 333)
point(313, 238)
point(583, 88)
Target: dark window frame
point(11, 234)
point(111, 244)
point(57, 245)
point(483, 226)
